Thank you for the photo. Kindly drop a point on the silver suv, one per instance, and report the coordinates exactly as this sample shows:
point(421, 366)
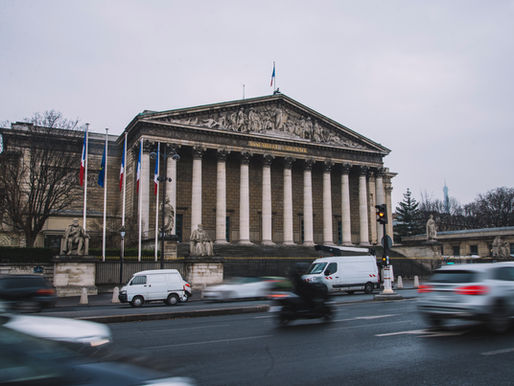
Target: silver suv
point(483, 292)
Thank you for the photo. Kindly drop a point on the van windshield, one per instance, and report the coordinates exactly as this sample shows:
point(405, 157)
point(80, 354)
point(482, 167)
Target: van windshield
point(317, 268)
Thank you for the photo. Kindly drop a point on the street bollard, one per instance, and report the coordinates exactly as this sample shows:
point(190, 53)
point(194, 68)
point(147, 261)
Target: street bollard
point(83, 296)
point(416, 281)
point(399, 283)
point(115, 293)
point(387, 281)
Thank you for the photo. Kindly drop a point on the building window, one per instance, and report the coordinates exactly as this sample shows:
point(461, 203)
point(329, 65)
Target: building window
point(339, 232)
point(54, 242)
point(456, 250)
point(178, 226)
point(473, 249)
point(302, 231)
point(227, 228)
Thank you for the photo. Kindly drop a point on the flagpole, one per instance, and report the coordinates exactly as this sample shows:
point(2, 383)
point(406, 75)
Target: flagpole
point(158, 171)
point(106, 150)
point(140, 203)
point(275, 82)
point(124, 182)
point(85, 181)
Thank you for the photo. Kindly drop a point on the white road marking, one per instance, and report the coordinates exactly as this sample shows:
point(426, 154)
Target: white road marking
point(425, 333)
point(210, 341)
point(497, 352)
point(409, 332)
point(371, 317)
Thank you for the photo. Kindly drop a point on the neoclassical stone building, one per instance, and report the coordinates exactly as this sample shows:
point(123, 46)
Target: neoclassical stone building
point(262, 171)
point(265, 170)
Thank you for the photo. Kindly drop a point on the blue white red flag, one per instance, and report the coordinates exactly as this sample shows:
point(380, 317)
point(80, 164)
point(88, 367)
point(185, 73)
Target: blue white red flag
point(138, 172)
point(83, 159)
point(101, 175)
point(272, 75)
point(122, 167)
point(156, 172)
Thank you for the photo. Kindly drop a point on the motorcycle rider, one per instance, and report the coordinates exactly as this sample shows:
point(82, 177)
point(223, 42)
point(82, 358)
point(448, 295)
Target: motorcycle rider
point(312, 294)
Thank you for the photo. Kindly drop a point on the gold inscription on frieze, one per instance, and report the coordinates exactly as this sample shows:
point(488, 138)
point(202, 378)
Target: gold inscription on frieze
point(272, 146)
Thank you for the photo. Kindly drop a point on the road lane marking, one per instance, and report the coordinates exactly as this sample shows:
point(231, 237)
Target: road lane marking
point(371, 317)
point(408, 332)
point(425, 333)
point(497, 352)
point(209, 341)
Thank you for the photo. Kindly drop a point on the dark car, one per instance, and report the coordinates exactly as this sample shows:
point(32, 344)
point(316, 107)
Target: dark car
point(26, 292)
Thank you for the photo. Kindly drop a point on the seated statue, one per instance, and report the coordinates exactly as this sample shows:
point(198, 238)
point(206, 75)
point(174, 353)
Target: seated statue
point(75, 240)
point(200, 244)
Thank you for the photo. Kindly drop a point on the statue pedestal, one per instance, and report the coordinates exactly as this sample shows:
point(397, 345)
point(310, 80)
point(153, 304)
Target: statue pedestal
point(73, 273)
point(170, 248)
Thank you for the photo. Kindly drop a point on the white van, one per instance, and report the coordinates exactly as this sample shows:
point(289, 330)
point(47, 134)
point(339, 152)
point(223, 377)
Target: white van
point(345, 273)
point(155, 285)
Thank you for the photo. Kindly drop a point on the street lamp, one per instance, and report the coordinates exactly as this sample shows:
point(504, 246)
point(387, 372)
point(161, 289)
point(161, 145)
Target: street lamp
point(165, 152)
point(122, 252)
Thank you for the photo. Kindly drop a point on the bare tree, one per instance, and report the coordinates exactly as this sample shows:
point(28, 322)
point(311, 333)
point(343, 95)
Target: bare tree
point(38, 171)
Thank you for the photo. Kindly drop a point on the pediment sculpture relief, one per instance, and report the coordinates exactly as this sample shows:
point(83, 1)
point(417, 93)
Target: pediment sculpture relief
point(270, 121)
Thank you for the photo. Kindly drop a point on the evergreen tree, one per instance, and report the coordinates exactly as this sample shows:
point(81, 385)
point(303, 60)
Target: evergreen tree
point(407, 217)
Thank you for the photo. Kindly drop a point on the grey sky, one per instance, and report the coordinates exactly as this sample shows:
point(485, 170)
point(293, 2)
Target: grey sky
point(430, 80)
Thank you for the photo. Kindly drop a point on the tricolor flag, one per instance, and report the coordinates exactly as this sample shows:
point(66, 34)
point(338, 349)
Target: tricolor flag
point(101, 175)
point(122, 167)
point(272, 75)
point(83, 159)
point(156, 172)
point(138, 171)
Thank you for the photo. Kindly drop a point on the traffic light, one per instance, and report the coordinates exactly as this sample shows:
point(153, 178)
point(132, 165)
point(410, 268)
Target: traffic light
point(381, 213)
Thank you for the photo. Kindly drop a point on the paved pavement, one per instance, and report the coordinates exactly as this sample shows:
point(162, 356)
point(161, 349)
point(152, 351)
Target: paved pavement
point(100, 308)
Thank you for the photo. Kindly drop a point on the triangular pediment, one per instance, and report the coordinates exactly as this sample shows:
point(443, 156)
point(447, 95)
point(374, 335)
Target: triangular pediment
point(276, 116)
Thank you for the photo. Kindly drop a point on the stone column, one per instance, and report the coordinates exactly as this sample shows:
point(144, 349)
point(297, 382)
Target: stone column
point(308, 230)
point(288, 202)
point(380, 195)
point(196, 197)
point(144, 189)
point(267, 235)
point(171, 187)
point(345, 205)
point(327, 204)
point(371, 206)
point(363, 208)
point(244, 200)
point(221, 198)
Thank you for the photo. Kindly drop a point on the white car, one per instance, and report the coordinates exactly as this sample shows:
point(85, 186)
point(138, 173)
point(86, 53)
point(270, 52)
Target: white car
point(240, 288)
point(483, 292)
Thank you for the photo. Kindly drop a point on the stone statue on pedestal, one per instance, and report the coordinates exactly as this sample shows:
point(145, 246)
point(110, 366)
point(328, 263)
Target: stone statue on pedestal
point(200, 244)
point(75, 240)
point(431, 229)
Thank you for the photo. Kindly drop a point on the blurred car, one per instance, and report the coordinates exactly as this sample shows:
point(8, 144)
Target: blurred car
point(26, 360)
point(483, 292)
point(241, 288)
point(27, 292)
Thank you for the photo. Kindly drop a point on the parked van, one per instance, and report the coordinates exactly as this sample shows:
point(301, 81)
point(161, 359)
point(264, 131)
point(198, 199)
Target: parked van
point(346, 273)
point(164, 285)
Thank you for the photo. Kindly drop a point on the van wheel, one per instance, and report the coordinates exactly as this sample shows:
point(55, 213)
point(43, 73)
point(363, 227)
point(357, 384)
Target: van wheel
point(368, 288)
point(137, 301)
point(172, 300)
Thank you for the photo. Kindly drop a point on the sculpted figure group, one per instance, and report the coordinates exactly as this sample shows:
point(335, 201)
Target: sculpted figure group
point(200, 244)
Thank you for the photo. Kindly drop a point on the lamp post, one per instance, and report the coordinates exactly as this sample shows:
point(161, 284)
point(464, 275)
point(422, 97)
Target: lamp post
point(122, 252)
point(165, 152)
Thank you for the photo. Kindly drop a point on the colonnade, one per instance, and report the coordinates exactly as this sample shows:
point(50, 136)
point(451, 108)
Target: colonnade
point(366, 208)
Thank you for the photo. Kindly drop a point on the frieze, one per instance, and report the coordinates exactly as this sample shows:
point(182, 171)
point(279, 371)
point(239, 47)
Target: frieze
point(273, 121)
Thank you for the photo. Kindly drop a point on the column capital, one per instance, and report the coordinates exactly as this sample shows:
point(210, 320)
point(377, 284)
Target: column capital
point(288, 162)
point(327, 165)
point(222, 154)
point(308, 164)
point(345, 168)
point(267, 159)
point(245, 158)
point(363, 170)
point(198, 152)
point(149, 146)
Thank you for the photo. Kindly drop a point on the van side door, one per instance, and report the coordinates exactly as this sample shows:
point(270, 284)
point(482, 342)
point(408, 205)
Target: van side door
point(138, 286)
point(157, 287)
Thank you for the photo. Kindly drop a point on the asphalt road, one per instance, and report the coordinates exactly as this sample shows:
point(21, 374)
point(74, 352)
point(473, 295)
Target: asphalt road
point(372, 343)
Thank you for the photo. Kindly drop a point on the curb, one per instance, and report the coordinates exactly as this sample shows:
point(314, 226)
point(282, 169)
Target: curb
point(176, 314)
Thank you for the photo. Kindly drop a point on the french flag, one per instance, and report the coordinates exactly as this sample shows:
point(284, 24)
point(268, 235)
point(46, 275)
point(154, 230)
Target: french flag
point(138, 170)
point(272, 75)
point(156, 172)
point(83, 159)
point(122, 167)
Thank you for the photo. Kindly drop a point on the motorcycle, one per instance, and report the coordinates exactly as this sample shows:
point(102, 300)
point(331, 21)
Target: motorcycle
point(289, 306)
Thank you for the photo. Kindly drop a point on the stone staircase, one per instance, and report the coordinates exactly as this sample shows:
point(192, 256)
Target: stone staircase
point(256, 250)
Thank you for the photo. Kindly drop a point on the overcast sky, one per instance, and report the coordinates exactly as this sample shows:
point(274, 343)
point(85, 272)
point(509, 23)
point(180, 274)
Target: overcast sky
point(430, 80)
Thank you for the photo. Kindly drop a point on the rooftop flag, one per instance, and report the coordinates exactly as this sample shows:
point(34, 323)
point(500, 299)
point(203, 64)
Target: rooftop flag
point(272, 75)
point(122, 167)
point(138, 172)
point(83, 160)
